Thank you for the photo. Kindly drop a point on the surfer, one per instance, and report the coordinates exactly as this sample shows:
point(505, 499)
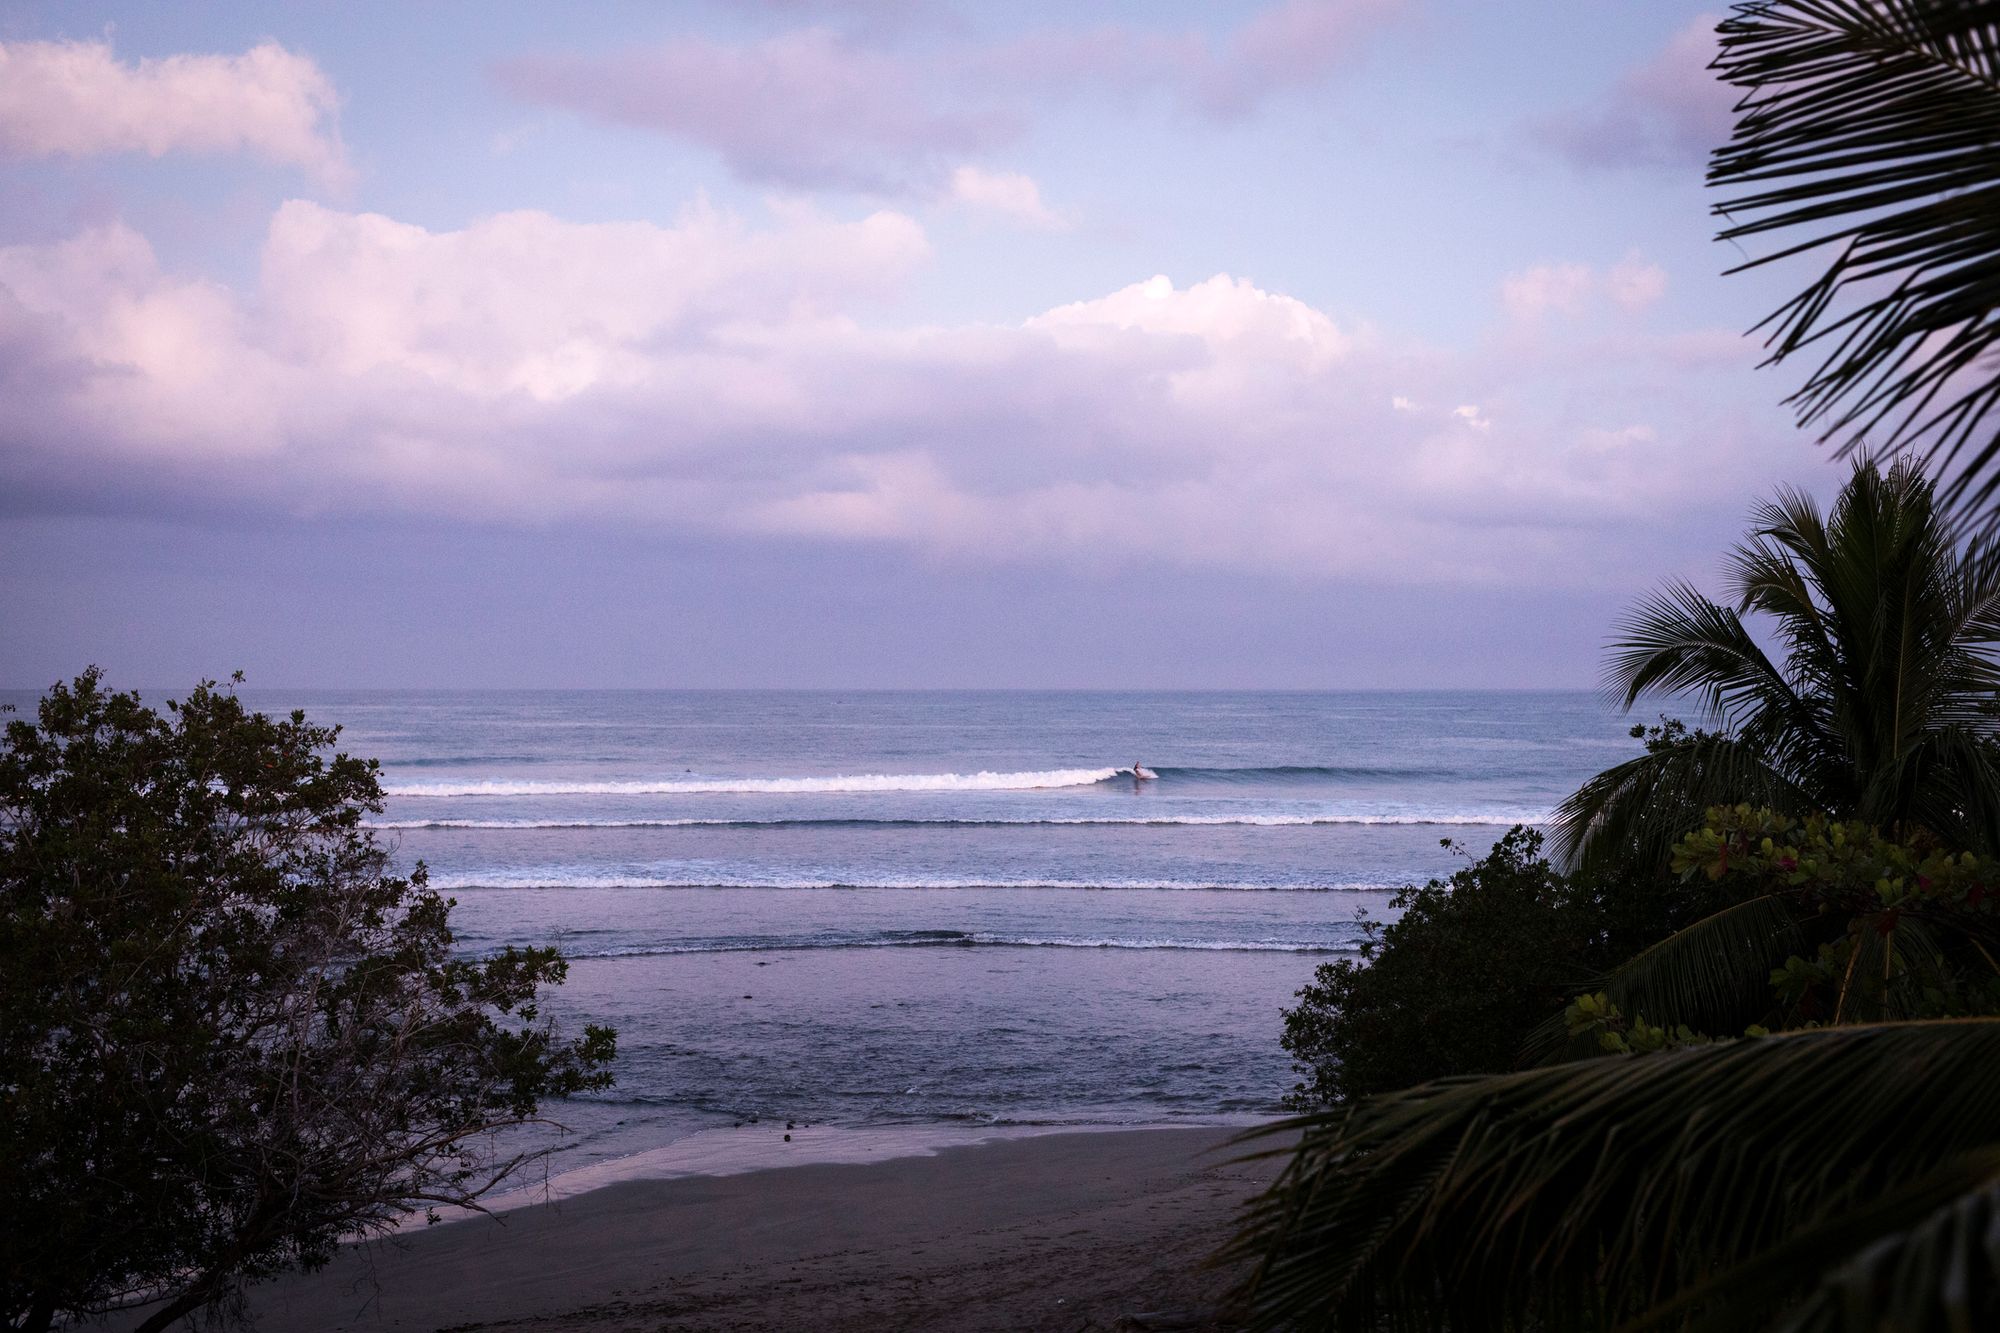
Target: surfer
point(1140, 773)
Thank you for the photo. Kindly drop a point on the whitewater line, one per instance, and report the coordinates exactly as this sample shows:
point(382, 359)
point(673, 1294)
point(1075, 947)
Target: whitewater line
point(858, 782)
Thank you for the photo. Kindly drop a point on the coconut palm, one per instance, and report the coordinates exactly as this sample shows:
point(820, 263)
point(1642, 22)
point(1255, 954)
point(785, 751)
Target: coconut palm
point(1872, 127)
point(1882, 707)
point(1837, 1178)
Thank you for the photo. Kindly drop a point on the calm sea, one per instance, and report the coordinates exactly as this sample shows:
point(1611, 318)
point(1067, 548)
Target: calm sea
point(867, 908)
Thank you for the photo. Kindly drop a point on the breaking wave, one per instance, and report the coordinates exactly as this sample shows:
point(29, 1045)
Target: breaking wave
point(1502, 819)
point(565, 878)
point(858, 782)
point(920, 939)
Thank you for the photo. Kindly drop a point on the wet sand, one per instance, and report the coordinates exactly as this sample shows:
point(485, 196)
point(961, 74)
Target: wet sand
point(1069, 1232)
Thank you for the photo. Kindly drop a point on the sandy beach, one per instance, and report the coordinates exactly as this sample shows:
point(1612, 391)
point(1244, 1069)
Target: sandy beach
point(1069, 1232)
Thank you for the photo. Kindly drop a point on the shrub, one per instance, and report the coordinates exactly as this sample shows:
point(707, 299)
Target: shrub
point(229, 1037)
point(1471, 966)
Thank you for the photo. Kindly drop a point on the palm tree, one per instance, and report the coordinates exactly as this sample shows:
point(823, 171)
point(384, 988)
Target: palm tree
point(1873, 127)
point(1882, 710)
point(1832, 1178)
point(1736, 1183)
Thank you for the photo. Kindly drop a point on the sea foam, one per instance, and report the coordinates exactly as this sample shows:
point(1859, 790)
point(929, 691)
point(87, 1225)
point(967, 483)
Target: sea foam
point(1460, 819)
point(857, 782)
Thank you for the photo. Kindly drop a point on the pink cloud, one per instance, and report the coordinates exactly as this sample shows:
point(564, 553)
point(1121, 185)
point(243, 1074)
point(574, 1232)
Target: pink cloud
point(1008, 193)
point(1294, 43)
point(1672, 109)
point(1573, 289)
point(713, 376)
point(807, 108)
point(77, 99)
point(812, 107)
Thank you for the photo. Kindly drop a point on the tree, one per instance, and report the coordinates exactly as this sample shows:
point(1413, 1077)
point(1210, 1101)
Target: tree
point(229, 1036)
point(1872, 127)
point(1883, 710)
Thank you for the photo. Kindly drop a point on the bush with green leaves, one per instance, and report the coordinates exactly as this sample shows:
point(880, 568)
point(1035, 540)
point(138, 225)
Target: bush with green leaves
point(1472, 965)
point(230, 1037)
point(1826, 921)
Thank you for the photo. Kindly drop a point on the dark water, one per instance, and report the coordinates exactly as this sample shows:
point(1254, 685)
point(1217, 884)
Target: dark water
point(870, 907)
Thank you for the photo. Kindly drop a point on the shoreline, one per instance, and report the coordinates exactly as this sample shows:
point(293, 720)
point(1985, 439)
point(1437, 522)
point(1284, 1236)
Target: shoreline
point(736, 1150)
point(1063, 1228)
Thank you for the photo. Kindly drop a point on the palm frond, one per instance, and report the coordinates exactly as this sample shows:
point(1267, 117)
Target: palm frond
point(1926, 1255)
point(1633, 813)
point(1606, 1187)
point(1680, 642)
point(1714, 976)
point(1873, 127)
point(1954, 780)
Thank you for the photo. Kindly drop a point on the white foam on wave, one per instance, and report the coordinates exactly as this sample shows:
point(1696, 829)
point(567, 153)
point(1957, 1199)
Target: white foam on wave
point(855, 782)
point(547, 879)
point(974, 939)
point(1452, 818)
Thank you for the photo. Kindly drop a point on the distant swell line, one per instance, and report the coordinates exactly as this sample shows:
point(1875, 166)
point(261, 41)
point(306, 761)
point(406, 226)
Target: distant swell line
point(1462, 819)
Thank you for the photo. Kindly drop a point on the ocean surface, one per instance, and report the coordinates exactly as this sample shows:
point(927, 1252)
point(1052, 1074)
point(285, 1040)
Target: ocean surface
point(861, 908)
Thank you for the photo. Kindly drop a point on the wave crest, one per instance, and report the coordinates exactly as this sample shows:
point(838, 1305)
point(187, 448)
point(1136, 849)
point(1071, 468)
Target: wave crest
point(932, 939)
point(857, 782)
point(1448, 819)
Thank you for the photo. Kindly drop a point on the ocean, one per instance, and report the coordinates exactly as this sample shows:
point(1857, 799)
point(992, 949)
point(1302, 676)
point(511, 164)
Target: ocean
point(865, 909)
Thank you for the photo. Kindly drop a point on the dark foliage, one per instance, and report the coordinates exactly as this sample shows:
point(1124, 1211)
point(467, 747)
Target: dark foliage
point(1881, 708)
point(229, 1038)
point(1869, 131)
point(1830, 1179)
point(1472, 966)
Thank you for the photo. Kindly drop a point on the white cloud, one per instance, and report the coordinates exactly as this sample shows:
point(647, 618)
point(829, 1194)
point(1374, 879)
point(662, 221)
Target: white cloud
point(525, 303)
point(711, 376)
point(1010, 194)
point(77, 99)
point(1225, 314)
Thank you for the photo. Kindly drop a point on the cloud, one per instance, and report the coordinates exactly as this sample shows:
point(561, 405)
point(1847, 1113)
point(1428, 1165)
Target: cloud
point(1534, 292)
point(713, 377)
point(1671, 110)
point(1571, 289)
point(77, 99)
point(1008, 193)
point(807, 108)
point(1292, 44)
point(817, 108)
point(1234, 322)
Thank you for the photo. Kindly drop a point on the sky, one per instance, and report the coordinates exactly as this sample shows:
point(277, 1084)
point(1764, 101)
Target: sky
point(867, 343)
